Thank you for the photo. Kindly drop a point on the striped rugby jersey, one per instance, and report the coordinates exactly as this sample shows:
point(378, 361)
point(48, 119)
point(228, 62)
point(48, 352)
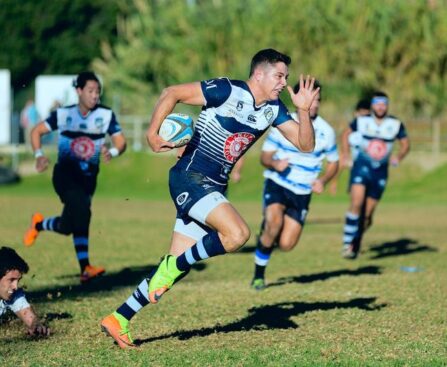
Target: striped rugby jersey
point(376, 141)
point(304, 168)
point(228, 125)
point(81, 137)
point(17, 302)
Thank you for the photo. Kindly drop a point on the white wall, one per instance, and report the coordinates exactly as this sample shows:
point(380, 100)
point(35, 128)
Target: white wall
point(5, 106)
point(51, 88)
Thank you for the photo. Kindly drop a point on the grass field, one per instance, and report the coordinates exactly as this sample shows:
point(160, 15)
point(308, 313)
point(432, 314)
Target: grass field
point(319, 309)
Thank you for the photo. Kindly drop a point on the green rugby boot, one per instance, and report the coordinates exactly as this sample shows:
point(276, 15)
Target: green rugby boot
point(163, 278)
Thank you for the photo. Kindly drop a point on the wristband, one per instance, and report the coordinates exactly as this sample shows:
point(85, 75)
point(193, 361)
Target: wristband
point(38, 153)
point(114, 152)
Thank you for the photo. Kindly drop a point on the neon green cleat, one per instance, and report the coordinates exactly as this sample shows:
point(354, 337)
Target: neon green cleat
point(116, 326)
point(163, 278)
point(258, 284)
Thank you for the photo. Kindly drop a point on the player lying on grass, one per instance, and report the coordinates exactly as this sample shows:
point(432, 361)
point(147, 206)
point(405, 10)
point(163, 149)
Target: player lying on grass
point(12, 298)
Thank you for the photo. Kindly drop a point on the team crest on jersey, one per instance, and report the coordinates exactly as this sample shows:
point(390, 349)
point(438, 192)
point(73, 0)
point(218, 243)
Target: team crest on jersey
point(83, 148)
point(68, 121)
point(99, 122)
point(376, 149)
point(268, 113)
point(236, 144)
point(240, 105)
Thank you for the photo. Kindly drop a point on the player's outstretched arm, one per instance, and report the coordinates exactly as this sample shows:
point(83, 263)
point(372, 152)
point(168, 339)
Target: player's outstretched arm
point(36, 134)
point(278, 165)
point(404, 149)
point(190, 93)
point(119, 147)
point(329, 173)
point(34, 326)
point(301, 135)
point(345, 156)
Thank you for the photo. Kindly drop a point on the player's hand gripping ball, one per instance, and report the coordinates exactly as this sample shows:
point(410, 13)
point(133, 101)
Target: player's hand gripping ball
point(177, 128)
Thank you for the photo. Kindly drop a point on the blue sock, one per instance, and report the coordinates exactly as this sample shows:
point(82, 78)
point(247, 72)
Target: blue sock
point(209, 246)
point(81, 248)
point(48, 224)
point(262, 257)
point(351, 229)
point(138, 299)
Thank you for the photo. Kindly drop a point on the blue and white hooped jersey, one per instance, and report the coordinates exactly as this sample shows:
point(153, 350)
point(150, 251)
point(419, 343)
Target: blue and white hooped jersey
point(376, 141)
point(228, 125)
point(81, 137)
point(17, 302)
point(304, 168)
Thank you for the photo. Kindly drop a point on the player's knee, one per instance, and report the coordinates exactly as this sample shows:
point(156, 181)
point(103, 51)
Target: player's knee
point(273, 225)
point(237, 238)
point(64, 228)
point(286, 245)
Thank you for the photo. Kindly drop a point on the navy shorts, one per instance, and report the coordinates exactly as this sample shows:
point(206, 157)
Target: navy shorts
point(374, 179)
point(297, 206)
point(194, 196)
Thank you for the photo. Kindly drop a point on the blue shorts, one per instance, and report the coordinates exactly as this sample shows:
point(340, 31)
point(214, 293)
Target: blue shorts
point(374, 179)
point(297, 206)
point(194, 196)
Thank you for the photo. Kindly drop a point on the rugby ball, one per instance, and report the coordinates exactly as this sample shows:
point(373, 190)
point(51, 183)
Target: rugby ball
point(177, 128)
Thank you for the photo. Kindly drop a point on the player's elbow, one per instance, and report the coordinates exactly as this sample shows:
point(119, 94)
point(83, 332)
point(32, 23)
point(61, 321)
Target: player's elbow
point(307, 147)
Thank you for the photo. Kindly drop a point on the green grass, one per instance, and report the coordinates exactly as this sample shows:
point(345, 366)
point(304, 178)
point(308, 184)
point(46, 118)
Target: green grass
point(320, 310)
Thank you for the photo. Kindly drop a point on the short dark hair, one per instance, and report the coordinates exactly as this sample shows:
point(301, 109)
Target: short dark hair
point(82, 79)
point(10, 260)
point(363, 104)
point(268, 56)
point(317, 84)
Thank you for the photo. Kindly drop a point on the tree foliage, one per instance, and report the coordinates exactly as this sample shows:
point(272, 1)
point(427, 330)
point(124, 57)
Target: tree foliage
point(353, 46)
point(63, 36)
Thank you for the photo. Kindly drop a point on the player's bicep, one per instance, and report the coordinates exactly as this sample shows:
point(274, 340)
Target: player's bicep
point(189, 93)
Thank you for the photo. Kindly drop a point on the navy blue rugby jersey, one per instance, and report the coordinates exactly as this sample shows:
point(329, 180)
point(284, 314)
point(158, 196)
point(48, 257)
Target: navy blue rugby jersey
point(228, 125)
point(81, 137)
point(376, 140)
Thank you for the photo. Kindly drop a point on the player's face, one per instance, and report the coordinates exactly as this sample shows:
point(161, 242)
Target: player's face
point(9, 283)
point(380, 109)
point(89, 95)
point(274, 79)
point(315, 106)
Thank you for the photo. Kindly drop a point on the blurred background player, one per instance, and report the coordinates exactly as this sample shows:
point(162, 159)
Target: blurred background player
point(13, 298)
point(369, 172)
point(290, 179)
point(82, 131)
point(235, 114)
point(361, 109)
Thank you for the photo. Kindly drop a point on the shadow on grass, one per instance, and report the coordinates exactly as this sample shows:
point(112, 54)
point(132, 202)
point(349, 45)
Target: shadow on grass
point(372, 270)
point(107, 282)
point(268, 317)
point(403, 246)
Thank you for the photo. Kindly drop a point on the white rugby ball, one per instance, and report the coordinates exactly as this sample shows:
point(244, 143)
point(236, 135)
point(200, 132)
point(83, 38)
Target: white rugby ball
point(177, 128)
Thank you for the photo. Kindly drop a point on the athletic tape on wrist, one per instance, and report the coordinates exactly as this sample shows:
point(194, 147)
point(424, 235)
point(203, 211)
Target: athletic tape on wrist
point(114, 152)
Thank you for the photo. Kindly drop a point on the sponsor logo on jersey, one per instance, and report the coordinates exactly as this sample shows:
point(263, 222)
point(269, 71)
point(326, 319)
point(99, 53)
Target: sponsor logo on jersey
point(99, 122)
point(83, 148)
point(240, 105)
point(232, 113)
point(236, 144)
point(268, 113)
point(182, 198)
point(251, 118)
point(376, 149)
point(68, 121)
